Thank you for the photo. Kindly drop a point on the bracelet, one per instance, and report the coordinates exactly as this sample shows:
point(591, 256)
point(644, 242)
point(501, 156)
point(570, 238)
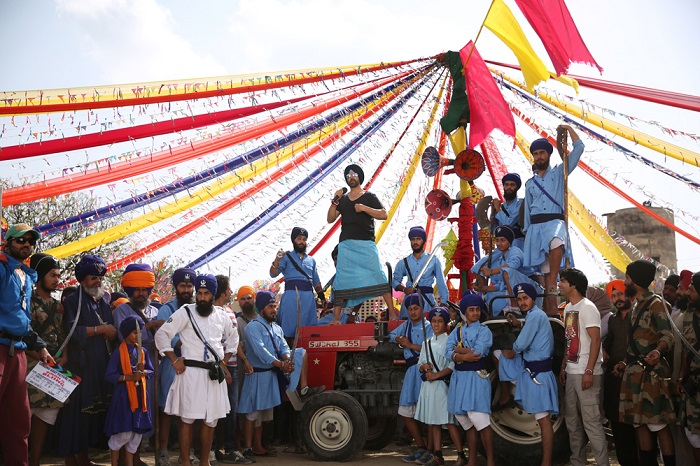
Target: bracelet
point(274, 266)
point(657, 352)
point(588, 371)
point(94, 330)
point(623, 363)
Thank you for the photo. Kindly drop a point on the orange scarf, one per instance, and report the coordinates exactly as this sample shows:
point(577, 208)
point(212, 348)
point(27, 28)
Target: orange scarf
point(130, 384)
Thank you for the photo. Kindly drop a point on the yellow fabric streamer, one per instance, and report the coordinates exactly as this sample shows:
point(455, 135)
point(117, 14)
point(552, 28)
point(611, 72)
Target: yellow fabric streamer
point(215, 188)
point(586, 222)
point(174, 87)
point(415, 162)
point(500, 21)
point(650, 142)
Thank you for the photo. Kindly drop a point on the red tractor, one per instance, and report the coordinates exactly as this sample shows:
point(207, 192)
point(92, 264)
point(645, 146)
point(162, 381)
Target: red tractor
point(363, 372)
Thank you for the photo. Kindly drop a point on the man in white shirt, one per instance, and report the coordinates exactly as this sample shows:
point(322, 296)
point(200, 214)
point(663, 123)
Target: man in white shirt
point(581, 371)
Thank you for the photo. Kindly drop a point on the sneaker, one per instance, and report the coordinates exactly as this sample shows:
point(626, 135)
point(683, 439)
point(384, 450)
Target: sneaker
point(212, 458)
point(437, 461)
point(163, 458)
point(248, 453)
point(461, 459)
point(310, 391)
point(425, 458)
point(235, 457)
point(412, 458)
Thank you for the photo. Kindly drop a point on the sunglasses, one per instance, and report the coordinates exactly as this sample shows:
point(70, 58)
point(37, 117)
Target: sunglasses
point(22, 240)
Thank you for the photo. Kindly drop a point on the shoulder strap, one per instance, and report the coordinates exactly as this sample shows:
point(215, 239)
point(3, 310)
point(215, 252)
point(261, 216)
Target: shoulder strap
point(432, 357)
point(199, 335)
point(633, 327)
point(296, 266)
point(3, 258)
point(534, 180)
point(272, 337)
point(142, 315)
point(408, 271)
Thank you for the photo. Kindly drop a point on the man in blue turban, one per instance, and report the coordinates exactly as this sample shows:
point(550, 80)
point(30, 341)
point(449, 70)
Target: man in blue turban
point(411, 266)
point(508, 213)
point(547, 242)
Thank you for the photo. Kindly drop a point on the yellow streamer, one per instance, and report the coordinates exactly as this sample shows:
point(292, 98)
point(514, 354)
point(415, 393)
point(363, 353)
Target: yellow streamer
point(586, 222)
point(174, 87)
point(415, 162)
point(502, 23)
point(214, 189)
point(650, 142)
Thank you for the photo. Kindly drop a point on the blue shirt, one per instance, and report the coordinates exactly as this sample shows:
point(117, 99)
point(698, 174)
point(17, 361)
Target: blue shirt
point(307, 264)
point(261, 340)
point(510, 219)
point(15, 316)
point(414, 332)
point(476, 336)
point(536, 202)
point(432, 273)
point(512, 258)
point(536, 340)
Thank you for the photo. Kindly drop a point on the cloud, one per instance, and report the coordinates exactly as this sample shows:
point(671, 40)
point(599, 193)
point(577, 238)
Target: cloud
point(124, 38)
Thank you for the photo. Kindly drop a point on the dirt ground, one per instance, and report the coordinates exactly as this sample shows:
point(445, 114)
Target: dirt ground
point(389, 456)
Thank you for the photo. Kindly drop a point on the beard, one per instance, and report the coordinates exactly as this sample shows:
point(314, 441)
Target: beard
point(682, 302)
point(300, 248)
point(247, 308)
point(184, 298)
point(95, 292)
point(205, 308)
point(417, 249)
point(46, 288)
point(509, 195)
point(354, 182)
point(139, 303)
point(542, 165)
point(623, 304)
point(631, 291)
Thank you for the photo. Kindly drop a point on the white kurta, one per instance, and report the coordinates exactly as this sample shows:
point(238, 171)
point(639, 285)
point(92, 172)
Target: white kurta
point(193, 394)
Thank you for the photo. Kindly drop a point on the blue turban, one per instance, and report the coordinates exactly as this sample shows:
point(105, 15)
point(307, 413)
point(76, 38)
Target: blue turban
point(417, 232)
point(441, 312)
point(526, 288)
point(541, 143)
point(514, 177)
point(410, 300)
point(355, 168)
point(504, 232)
point(90, 265)
point(183, 276)
point(469, 300)
point(297, 231)
point(207, 281)
point(128, 325)
point(262, 299)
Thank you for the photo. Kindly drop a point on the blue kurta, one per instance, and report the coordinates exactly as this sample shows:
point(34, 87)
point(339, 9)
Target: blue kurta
point(512, 219)
point(14, 300)
point(264, 343)
point(120, 418)
point(431, 408)
point(433, 274)
point(539, 235)
point(166, 373)
point(410, 390)
point(287, 315)
point(535, 343)
point(468, 391)
point(512, 259)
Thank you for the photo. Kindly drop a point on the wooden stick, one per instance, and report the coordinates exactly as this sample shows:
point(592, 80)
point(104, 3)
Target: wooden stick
point(562, 143)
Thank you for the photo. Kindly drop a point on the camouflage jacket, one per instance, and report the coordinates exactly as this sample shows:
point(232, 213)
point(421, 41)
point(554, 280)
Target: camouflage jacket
point(654, 326)
point(52, 333)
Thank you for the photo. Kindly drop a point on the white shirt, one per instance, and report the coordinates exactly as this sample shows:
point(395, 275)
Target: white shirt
point(577, 318)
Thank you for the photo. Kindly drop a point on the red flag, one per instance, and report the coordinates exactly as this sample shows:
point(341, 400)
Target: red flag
point(487, 107)
point(554, 25)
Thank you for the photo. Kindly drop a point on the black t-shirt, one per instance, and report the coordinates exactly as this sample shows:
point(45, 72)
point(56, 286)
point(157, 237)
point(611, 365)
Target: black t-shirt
point(357, 225)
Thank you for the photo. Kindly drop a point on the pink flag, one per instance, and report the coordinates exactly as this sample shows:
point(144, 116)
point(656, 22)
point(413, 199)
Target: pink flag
point(554, 25)
point(487, 107)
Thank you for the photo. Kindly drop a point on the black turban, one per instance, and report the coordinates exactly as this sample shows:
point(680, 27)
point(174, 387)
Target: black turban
point(641, 272)
point(356, 168)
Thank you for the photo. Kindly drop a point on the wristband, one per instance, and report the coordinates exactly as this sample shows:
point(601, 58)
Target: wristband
point(589, 371)
point(94, 330)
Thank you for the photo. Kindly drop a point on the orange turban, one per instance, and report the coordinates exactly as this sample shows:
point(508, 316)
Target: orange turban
point(119, 302)
point(618, 285)
point(244, 290)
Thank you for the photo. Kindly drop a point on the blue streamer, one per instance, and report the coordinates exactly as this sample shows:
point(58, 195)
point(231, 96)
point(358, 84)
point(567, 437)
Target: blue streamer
point(303, 187)
point(127, 205)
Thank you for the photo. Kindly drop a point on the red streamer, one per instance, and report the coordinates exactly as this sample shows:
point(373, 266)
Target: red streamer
point(495, 164)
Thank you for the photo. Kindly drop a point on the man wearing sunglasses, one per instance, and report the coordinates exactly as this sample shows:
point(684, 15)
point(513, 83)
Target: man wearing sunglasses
point(16, 336)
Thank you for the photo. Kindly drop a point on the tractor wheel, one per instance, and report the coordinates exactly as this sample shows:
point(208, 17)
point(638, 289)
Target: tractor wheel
point(381, 432)
point(334, 426)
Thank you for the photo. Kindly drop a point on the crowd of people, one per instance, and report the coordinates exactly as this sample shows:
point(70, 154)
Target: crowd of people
point(631, 360)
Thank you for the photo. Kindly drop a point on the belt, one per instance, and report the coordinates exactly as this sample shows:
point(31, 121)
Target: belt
point(262, 369)
point(426, 289)
point(544, 218)
point(539, 366)
point(13, 339)
point(301, 285)
point(199, 364)
point(471, 366)
point(412, 361)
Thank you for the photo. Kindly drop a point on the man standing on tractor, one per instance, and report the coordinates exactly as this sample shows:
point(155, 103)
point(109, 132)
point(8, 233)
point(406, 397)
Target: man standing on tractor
point(359, 275)
point(411, 267)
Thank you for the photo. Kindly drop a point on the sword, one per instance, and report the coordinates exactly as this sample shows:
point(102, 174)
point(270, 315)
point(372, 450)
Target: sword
point(139, 352)
point(533, 376)
point(430, 258)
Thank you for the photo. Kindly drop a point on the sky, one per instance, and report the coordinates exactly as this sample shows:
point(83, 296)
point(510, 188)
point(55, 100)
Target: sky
point(71, 43)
